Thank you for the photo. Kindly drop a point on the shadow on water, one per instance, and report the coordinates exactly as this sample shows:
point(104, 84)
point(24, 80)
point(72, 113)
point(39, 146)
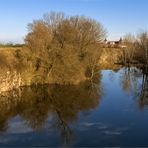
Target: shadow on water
point(36, 104)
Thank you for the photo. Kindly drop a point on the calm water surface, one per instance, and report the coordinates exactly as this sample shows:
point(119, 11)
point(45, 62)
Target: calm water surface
point(110, 112)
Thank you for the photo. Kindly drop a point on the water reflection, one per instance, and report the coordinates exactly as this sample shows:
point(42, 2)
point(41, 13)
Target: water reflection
point(134, 81)
point(36, 104)
point(130, 79)
point(144, 91)
point(83, 115)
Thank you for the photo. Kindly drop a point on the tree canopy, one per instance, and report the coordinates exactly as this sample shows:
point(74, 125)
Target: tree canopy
point(67, 47)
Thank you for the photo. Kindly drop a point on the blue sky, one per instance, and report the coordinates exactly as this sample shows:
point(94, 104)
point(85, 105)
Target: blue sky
point(118, 16)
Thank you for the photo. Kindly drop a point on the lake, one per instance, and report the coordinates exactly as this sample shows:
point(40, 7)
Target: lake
point(112, 111)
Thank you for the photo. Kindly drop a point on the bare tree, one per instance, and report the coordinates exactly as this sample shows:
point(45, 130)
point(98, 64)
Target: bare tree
point(143, 45)
point(128, 51)
point(65, 46)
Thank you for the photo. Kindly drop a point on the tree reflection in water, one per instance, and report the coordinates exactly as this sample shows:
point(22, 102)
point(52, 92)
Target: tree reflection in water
point(130, 83)
point(144, 91)
point(129, 79)
point(36, 103)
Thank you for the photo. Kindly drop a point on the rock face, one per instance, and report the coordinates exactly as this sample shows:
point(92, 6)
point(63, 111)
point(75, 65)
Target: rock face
point(12, 79)
point(109, 57)
point(9, 81)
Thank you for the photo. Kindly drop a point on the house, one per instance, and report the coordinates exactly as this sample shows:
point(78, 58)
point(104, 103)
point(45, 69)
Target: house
point(114, 44)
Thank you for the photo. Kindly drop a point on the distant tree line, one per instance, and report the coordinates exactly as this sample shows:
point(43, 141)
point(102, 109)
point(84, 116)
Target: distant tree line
point(5, 45)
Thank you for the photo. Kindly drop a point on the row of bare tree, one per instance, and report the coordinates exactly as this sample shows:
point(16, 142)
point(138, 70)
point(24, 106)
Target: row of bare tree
point(67, 47)
point(136, 49)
